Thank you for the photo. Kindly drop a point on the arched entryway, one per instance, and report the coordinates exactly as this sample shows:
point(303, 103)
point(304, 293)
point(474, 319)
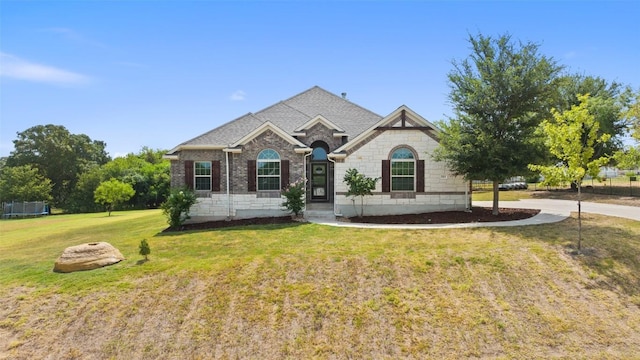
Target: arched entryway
point(320, 173)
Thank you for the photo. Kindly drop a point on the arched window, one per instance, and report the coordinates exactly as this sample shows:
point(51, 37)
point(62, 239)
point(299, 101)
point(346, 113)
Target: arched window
point(268, 166)
point(319, 154)
point(403, 170)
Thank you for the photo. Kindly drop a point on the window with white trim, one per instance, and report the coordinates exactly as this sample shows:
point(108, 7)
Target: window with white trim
point(403, 170)
point(268, 169)
point(202, 174)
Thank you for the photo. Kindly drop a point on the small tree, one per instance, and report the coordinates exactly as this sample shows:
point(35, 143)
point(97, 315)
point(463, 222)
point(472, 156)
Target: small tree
point(177, 206)
point(294, 194)
point(571, 138)
point(359, 185)
point(145, 250)
point(113, 192)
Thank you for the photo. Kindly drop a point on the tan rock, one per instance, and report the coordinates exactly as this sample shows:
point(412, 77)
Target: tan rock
point(87, 257)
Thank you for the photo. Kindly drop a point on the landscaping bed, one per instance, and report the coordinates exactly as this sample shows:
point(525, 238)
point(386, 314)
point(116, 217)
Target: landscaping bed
point(478, 214)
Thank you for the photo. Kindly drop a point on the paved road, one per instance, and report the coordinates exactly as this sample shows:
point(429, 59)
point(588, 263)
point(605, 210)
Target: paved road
point(550, 211)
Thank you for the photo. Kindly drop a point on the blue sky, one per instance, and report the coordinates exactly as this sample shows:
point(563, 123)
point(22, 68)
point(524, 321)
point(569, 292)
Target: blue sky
point(157, 73)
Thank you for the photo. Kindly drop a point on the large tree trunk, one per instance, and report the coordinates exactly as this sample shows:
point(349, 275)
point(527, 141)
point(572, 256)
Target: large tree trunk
point(496, 195)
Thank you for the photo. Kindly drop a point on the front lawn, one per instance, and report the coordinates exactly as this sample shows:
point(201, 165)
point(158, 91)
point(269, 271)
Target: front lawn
point(312, 291)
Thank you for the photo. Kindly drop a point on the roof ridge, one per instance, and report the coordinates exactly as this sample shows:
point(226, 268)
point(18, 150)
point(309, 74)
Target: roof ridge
point(347, 100)
point(282, 102)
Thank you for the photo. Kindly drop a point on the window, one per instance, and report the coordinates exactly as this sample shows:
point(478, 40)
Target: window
point(319, 154)
point(268, 167)
point(403, 170)
point(202, 175)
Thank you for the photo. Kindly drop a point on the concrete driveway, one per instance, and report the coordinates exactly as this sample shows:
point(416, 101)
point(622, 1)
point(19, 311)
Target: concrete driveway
point(565, 207)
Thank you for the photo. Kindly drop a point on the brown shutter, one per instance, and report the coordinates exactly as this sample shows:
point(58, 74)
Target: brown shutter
point(420, 176)
point(215, 175)
point(284, 173)
point(251, 175)
point(188, 174)
point(386, 175)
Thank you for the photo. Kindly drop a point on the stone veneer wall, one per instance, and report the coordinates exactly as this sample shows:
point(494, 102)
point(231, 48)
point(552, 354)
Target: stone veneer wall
point(443, 191)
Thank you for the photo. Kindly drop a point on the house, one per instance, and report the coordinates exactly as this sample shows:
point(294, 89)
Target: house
point(238, 169)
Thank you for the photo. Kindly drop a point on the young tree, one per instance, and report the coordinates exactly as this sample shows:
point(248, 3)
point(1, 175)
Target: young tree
point(24, 183)
point(145, 250)
point(359, 185)
point(499, 94)
point(113, 192)
point(572, 138)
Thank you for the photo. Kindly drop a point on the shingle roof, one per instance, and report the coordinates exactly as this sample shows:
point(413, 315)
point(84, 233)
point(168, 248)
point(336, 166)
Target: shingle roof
point(290, 114)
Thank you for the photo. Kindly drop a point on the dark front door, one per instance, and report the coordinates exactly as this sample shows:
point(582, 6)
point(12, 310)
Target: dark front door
point(319, 183)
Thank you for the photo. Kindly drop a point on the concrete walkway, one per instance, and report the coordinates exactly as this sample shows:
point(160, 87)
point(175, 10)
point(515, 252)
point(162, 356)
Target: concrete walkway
point(550, 211)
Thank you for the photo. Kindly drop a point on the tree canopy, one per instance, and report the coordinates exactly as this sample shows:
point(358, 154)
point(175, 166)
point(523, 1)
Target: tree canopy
point(607, 103)
point(58, 155)
point(500, 93)
point(147, 172)
point(23, 183)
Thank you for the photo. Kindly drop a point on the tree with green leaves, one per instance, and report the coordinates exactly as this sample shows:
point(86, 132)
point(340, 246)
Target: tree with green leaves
point(572, 137)
point(633, 117)
point(145, 250)
point(500, 93)
point(147, 172)
point(58, 155)
point(359, 185)
point(23, 183)
point(629, 157)
point(113, 192)
point(607, 103)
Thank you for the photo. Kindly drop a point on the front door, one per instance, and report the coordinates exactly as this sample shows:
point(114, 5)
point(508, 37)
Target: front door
point(319, 183)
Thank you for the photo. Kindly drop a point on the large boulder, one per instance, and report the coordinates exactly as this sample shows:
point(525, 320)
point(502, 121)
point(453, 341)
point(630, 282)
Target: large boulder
point(87, 257)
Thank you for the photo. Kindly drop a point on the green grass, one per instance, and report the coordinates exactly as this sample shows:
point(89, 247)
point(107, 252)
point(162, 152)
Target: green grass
point(311, 291)
point(511, 195)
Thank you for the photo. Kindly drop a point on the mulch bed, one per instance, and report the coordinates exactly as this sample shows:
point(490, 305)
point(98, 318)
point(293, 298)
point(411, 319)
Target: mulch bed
point(478, 214)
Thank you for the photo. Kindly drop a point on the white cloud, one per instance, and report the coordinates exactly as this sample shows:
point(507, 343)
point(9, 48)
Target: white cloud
point(238, 95)
point(17, 68)
point(570, 55)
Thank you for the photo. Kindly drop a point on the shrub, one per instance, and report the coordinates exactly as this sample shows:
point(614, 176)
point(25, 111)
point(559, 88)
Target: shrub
point(177, 206)
point(294, 193)
point(145, 250)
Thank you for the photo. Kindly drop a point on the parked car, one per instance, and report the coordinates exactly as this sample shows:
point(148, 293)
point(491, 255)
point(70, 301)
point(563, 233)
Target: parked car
point(513, 186)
